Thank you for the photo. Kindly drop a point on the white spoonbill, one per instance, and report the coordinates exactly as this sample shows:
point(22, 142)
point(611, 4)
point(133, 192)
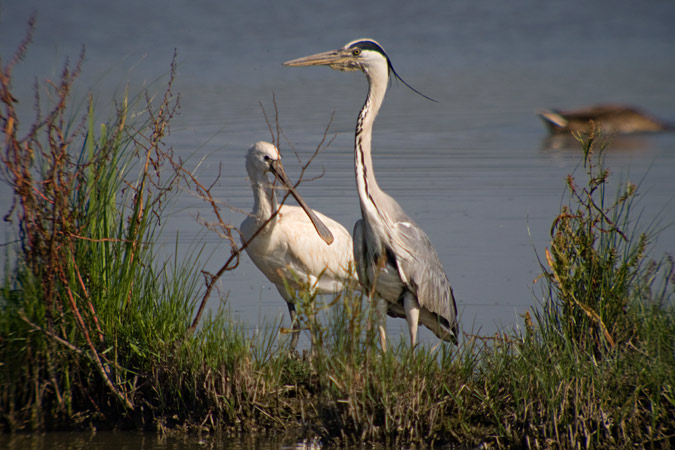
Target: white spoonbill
point(298, 246)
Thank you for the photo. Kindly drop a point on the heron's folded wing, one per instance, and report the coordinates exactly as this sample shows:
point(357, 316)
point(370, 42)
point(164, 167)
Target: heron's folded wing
point(422, 271)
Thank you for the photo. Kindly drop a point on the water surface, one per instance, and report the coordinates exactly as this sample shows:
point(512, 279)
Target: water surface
point(475, 170)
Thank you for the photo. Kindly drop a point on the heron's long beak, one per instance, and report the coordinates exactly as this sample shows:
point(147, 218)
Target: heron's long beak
point(339, 59)
point(319, 59)
point(278, 170)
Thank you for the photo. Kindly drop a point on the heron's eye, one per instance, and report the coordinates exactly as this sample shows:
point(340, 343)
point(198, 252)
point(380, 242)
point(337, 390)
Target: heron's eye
point(266, 158)
point(356, 51)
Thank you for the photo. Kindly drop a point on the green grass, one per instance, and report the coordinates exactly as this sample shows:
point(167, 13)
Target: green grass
point(97, 330)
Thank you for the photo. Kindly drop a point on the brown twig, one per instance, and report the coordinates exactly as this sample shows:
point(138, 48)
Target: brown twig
point(236, 251)
point(94, 356)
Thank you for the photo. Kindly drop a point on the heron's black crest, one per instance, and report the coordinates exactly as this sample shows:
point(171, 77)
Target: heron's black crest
point(375, 47)
point(370, 45)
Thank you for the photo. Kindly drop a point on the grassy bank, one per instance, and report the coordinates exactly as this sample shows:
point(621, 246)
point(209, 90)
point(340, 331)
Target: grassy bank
point(96, 330)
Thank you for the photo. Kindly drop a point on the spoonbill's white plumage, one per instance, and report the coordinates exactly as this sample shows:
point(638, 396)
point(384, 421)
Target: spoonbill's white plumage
point(298, 247)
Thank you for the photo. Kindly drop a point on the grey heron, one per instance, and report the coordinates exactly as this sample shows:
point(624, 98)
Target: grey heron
point(394, 257)
point(298, 247)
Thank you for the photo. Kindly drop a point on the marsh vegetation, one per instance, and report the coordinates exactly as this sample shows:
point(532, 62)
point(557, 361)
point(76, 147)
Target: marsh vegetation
point(98, 331)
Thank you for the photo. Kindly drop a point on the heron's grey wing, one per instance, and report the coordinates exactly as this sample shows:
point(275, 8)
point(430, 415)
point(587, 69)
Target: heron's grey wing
point(421, 270)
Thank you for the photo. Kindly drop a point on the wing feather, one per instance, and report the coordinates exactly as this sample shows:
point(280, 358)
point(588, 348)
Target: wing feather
point(308, 253)
point(421, 270)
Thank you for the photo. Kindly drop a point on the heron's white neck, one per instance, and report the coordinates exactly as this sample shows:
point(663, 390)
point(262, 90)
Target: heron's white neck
point(264, 198)
point(366, 183)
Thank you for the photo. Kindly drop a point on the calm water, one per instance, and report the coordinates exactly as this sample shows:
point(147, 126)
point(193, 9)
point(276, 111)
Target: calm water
point(475, 170)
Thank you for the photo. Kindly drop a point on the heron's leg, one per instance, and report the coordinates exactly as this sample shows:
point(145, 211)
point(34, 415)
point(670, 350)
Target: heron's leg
point(381, 317)
point(412, 315)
